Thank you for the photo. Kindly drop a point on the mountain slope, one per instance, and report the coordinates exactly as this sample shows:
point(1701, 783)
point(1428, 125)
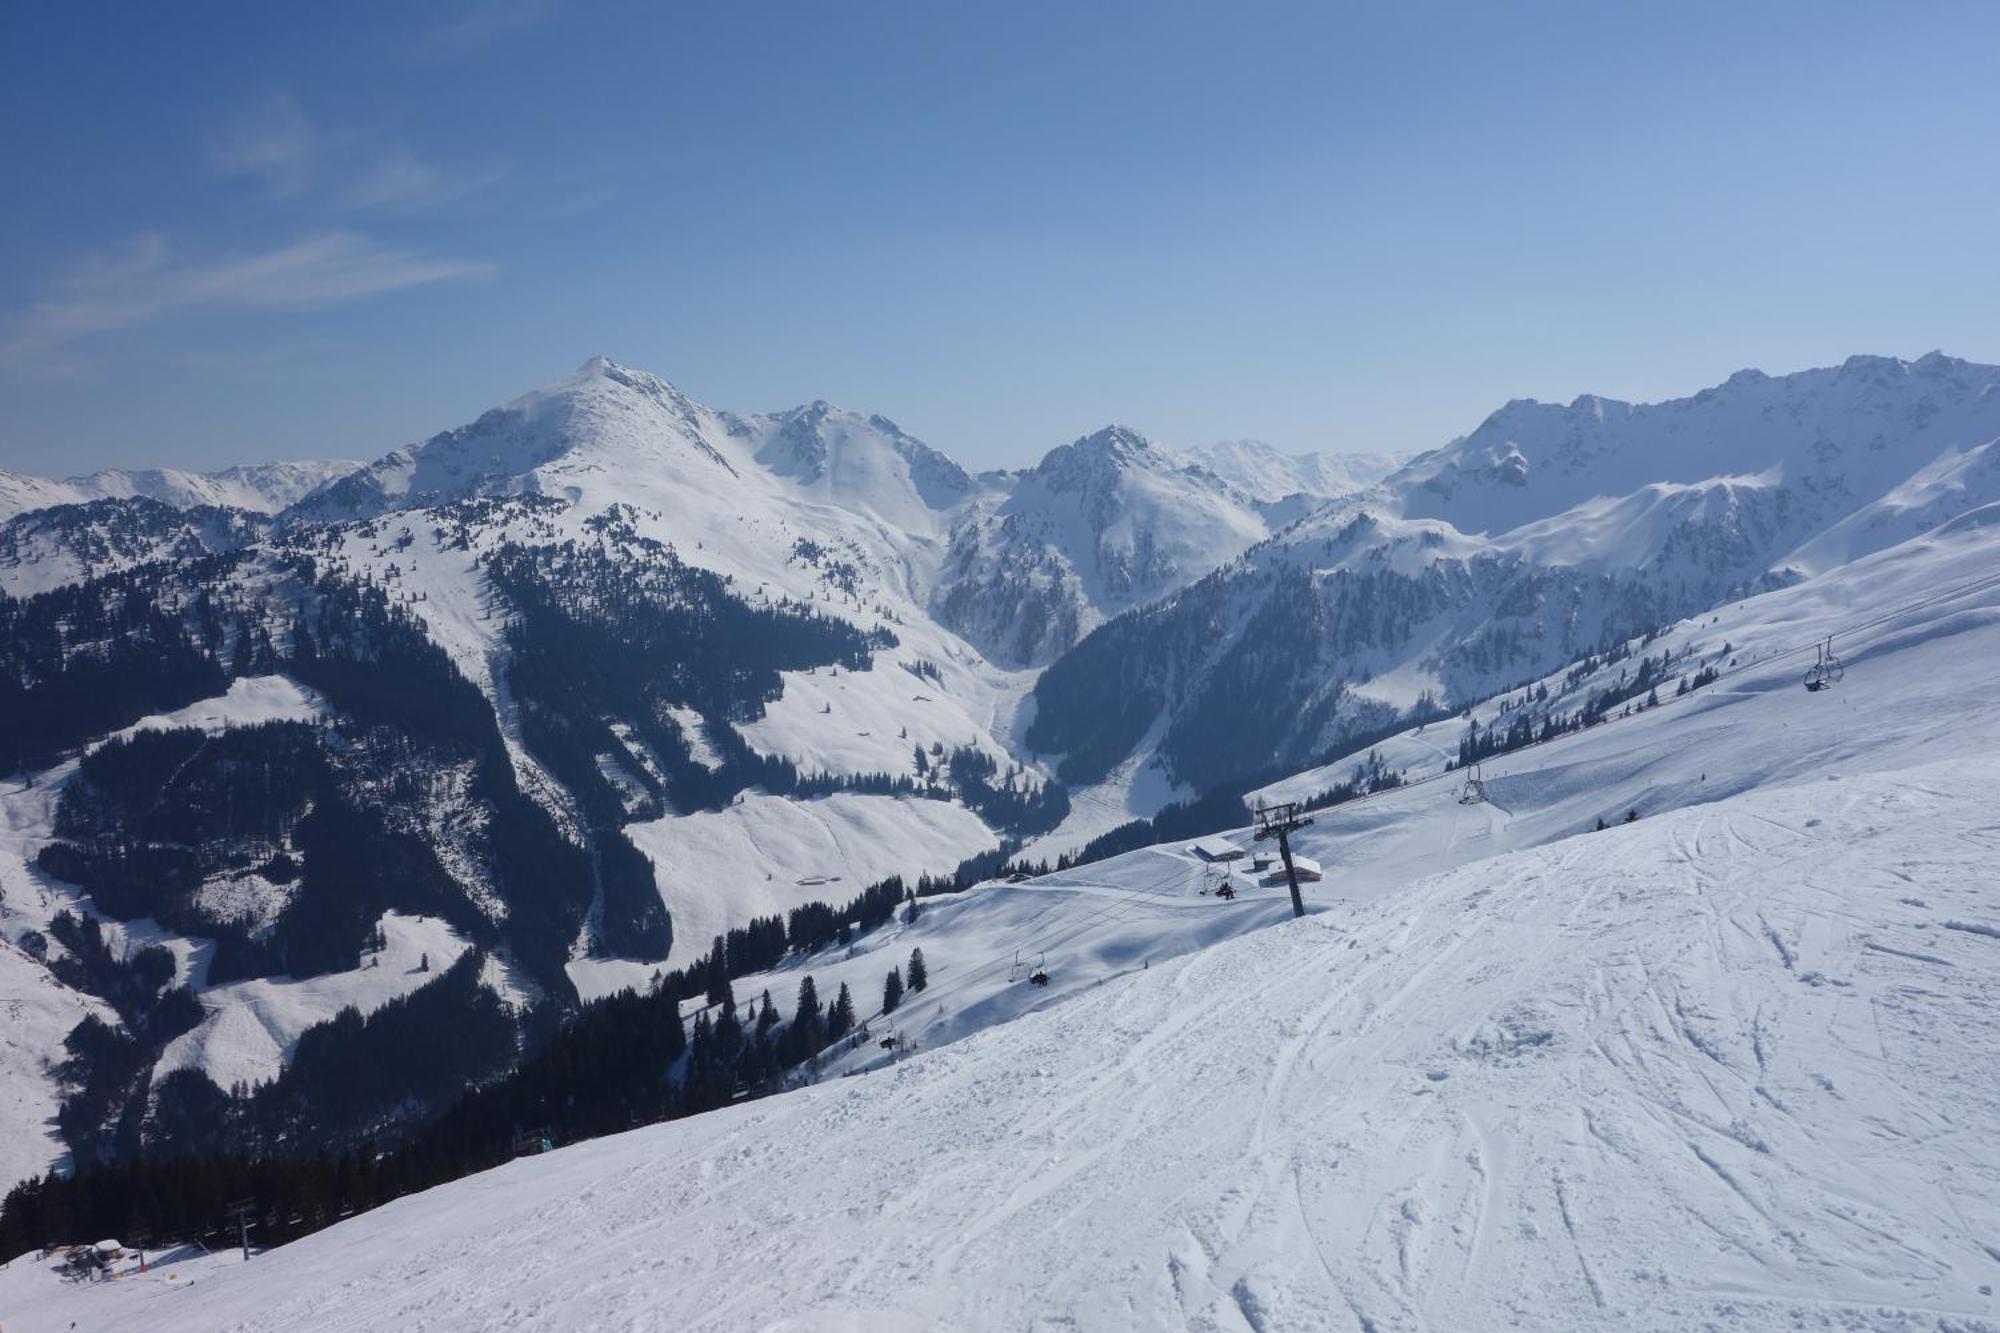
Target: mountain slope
point(1914, 625)
point(1730, 1064)
point(1547, 533)
point(60, 545)
point(1836, 438)
point(1269, 474)
point(860, 462)
point(612, 672)
point(1101, 525)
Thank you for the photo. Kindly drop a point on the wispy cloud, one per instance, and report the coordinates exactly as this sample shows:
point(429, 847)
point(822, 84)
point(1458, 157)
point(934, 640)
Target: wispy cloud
point(482, 23)
point(398, 179)
point(145, 280)
point(276, 144)
point(271, 141)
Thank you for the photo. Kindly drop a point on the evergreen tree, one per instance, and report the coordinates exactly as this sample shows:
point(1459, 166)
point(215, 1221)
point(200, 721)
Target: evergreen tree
point(804, 1034)
point(840, 1018)
point(919, 976)
point(718, 972)
point(767, 1017)
point(892, 991)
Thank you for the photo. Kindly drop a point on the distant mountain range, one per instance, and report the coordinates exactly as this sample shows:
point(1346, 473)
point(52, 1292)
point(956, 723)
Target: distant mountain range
point(262, 488)
point(1547, 533)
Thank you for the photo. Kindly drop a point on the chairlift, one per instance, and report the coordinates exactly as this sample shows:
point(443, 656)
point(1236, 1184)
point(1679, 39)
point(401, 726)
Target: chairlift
point(1474, 790)
point(1826, 671)
point(1036, 973)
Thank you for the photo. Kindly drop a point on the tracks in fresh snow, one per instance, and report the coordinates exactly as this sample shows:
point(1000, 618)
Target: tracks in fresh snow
point(1575, 1087)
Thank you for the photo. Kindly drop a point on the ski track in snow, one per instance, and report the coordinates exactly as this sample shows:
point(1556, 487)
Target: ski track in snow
point(1573, 1087)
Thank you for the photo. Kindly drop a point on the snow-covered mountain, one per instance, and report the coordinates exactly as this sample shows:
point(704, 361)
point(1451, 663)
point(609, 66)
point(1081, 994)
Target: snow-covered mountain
point(600, 679)
point(1547, 532)
point(58, 545)
point(1834, 439)
point(260, 488)
point(605, 413)
point(1109, 522)
point(1687, 1024)
point(1020, 564)
point(558, 701)
point(1267, 473)
point(860, 462)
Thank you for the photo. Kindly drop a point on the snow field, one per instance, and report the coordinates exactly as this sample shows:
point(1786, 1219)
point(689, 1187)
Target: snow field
point(765, 855)
point(981, 946)
point(1733, 1067)
point(249, 701)
point(1914, 693)
point(36, 1013)
point(253, 1025)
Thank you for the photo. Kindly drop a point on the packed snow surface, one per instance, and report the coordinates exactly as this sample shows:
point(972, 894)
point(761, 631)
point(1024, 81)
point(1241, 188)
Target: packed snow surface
point(1732, 1065)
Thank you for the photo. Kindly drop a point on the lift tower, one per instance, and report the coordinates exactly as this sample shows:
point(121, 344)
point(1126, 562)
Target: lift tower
point(1280, 822)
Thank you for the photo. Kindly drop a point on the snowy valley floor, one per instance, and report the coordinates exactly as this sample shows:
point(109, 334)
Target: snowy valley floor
point(1736, 1066)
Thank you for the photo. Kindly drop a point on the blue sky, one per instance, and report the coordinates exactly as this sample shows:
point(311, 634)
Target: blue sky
point(236, 232)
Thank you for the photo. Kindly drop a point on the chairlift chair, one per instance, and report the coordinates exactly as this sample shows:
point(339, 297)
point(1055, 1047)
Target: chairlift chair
point(1037, 973)
point(1474, 790)
point(1826, 671)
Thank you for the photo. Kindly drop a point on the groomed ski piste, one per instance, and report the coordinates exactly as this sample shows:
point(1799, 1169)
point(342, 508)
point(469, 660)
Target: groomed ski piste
point(1733, 1064)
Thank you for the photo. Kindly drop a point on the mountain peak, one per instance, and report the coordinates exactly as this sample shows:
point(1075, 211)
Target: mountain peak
point(1117, 440)
point(1864, 364)
point(1096, 461)
point(868, 460)
point(603, 370)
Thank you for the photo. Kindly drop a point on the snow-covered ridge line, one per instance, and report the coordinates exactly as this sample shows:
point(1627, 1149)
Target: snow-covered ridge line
point(1548, 533)
point(263, 488)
